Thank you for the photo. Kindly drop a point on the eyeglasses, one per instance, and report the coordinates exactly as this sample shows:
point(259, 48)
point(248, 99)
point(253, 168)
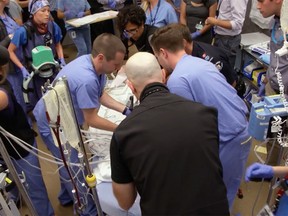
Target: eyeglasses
point(131, 31)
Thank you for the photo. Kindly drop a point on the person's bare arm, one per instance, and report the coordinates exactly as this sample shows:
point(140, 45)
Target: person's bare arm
point(109, 102)
point(280, 171)
point(182, 18)
point(60, 14)
point(212, 13)
point(12, 48)
point(87, 12)
point(222, 23)
point(3, 100)
point(59, 50)
point(23, 4)
point(94, 120)
point(125, 194)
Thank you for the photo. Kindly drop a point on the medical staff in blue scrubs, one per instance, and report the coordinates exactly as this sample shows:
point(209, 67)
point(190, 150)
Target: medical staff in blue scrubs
point(14, 120)
point(258, 171)
point(159, 13)
point(70, 9)
point(86, 77)
point(38, 30)
point(200, 81)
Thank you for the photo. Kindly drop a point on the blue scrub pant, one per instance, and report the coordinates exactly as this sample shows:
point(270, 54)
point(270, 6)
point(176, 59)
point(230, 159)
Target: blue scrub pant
point(283, 206)
point(16, 81)
point(66, 195)
point(233, 157)
point(82, 39)
point(35, 185)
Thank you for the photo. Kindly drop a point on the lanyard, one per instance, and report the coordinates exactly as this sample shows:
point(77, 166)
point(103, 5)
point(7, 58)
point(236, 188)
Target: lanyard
point(153, 19)
point(276, 41)
point(218, 7)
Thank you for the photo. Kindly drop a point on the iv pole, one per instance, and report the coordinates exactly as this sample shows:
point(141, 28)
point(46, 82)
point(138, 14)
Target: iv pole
point(90, 178)
point(19, 185)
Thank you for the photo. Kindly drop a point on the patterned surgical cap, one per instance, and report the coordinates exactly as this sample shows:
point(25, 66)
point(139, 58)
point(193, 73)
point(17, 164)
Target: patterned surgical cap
point(35, 5)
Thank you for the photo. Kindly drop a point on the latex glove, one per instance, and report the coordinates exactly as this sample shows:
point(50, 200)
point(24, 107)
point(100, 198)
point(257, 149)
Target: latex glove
point(261, 91)
point(24, 72)
point(265, 58)
point(195, 34)
point(80, 14)
point(112, 3)
point(68, 15)
point(126, 111)
point(62, 62)
point(257, 170)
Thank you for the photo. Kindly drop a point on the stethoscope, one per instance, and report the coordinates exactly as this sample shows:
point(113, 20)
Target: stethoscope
point(153, 19)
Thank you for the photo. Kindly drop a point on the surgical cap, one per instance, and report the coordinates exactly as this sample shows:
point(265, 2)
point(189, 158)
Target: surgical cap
point(4, 56)
point(35, 5)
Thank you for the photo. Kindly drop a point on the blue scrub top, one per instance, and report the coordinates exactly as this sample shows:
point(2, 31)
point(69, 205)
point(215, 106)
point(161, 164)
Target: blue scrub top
point(10, 24)
point(200, 81)
point(86, 88)
point(161, 15)
point(20, 38)
point(85, 85)
point(74, 7)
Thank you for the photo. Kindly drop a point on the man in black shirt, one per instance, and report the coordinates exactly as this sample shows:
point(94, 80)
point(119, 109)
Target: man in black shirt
point(167, 149)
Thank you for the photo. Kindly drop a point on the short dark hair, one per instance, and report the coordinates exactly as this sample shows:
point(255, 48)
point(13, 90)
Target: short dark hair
point(167, 37)
point(133, 14)
point(184, 30)
point(107, 44)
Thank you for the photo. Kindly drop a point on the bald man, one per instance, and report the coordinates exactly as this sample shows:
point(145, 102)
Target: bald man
point(157, 149)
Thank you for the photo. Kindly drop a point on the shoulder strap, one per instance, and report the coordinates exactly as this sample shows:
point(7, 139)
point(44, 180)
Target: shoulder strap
point(29, 29)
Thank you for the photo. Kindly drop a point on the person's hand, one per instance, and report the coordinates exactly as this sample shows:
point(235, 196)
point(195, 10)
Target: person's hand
point(80, 14)
point(126, 111)
point(265, 58)
point(68, 15)
point(24, 72)
point(112, 3)
point(258, 171)
point(261, 91)
point(195, 34)
point(210, 20)
point(62, 62)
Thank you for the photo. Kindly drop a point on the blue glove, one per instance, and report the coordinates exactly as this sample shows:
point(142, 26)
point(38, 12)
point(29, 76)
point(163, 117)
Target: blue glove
point(261, 91)
point(257, 170)
point(80, 14)
point(68, 15)
point(126, 111)
point(265, 58)
point(195, 34)
point(112, 3)
point(24, 72)
point(62, 62)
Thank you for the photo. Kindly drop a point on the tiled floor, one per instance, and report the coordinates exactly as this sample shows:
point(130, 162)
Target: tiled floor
point(243, 207)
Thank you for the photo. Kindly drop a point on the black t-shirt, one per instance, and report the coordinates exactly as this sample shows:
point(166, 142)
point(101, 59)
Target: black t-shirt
point(168, 146)
point(218, 56)
point(14, 120)
point(142, 43)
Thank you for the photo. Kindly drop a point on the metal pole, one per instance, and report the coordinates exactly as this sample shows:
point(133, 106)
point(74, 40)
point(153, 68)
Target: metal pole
point(274, 180)
point(15, 176)
point(81, 144)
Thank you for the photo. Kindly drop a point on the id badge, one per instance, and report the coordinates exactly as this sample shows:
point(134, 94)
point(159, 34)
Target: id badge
point(199, 26)
point(73, 34)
